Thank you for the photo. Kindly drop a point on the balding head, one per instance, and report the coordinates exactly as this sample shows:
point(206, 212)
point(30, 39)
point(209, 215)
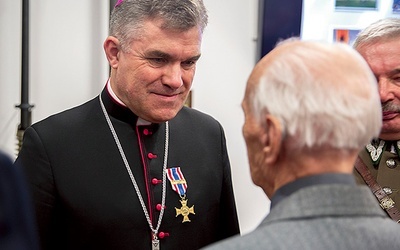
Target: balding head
point(309, 108)
point(317, 91)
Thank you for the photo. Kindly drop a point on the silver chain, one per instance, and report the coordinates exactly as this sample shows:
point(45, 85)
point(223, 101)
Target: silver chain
point(121, 151)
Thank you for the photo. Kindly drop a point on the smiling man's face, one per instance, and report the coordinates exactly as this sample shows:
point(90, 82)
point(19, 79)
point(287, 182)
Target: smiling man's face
point(384, 60)
point(154, 77)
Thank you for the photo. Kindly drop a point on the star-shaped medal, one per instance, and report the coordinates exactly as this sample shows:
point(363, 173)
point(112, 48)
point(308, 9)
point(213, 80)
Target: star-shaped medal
point(184, 210)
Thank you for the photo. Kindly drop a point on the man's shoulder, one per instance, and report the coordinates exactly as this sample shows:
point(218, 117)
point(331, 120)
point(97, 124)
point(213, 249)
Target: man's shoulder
point(68, 116)
point(260, 238)
point(186, 111)
point(194, 116)
point(7, 173)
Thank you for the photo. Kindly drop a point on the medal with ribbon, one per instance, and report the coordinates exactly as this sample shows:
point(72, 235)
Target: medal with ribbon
point(179, 185)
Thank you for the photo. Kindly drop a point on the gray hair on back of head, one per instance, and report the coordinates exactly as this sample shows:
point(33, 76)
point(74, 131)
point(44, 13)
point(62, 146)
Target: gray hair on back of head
point(323, 94)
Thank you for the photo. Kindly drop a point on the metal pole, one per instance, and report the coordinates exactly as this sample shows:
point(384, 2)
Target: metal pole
point(112, 4)
point(25, 107)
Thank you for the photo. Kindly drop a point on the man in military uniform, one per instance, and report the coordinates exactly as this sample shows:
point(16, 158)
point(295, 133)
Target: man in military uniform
point(379, 44)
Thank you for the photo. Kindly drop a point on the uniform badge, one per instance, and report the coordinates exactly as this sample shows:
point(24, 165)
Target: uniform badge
point(375, 152)
point(179, 185)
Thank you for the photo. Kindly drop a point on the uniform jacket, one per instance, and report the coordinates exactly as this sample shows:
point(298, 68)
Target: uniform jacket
point(85, 199)
point(387, 177)
point(17, 230)
point(322, 217)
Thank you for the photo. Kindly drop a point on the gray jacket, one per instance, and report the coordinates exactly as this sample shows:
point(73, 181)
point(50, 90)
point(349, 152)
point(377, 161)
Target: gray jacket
point(322, 217)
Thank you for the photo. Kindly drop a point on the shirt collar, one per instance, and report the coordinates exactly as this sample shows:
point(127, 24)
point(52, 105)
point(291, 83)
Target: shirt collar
point(330, 178)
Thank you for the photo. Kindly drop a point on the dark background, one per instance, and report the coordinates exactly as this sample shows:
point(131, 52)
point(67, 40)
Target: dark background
point(278, 20)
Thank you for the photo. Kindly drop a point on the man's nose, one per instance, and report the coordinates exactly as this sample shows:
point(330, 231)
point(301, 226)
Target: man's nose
point(173, 76)
point(386, 89)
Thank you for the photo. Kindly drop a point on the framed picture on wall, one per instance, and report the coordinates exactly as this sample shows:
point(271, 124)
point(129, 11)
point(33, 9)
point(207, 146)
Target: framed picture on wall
point(396, 6)
point(345, 35)
point(277, 20)
point(356, 4)
point(188, 102)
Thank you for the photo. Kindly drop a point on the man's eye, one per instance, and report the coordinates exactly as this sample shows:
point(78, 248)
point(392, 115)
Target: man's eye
point(188, 64)
point(157, 61)
point(396, 79)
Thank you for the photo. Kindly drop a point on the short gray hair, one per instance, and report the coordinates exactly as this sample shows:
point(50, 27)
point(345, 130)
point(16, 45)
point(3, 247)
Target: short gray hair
point(127, 17)
point(300, 87)
point(384, 29)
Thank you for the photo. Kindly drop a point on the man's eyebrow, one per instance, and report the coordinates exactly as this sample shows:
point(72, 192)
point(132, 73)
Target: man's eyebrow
point(194, 58)
point(394, 72)
point(161, 54)
point(158, 53)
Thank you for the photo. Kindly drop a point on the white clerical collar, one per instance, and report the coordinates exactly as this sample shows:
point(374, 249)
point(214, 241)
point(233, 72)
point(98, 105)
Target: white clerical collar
point(140, 121)
point(113, 95)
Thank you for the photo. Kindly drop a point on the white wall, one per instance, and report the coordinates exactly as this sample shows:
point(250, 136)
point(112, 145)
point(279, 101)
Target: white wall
point(68, 67)
point(228, 56)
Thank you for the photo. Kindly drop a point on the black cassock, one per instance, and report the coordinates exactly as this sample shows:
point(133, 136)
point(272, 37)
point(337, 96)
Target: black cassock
point(84, 197)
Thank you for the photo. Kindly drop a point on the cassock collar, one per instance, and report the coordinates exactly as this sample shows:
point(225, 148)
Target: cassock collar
point(120, 112)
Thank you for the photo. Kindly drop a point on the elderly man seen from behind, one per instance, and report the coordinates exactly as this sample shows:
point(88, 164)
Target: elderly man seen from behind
point(309, 108)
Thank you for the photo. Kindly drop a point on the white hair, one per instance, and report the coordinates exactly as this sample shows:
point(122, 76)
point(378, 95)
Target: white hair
point(383, 29)
point(324, 95)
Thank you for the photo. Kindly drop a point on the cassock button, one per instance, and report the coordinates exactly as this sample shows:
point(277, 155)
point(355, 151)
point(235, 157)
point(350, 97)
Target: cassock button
point(162, 235)
point(155, 181)
point(147, 131)
point(151, 156)
point(391, 163)
point(159, 206)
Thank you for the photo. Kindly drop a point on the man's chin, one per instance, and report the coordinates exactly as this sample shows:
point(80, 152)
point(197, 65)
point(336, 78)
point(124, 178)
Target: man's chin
point(164, 116)
point(390, 134)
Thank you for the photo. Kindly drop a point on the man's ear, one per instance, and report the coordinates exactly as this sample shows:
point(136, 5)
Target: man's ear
point(112, 48)
point(272, 139)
